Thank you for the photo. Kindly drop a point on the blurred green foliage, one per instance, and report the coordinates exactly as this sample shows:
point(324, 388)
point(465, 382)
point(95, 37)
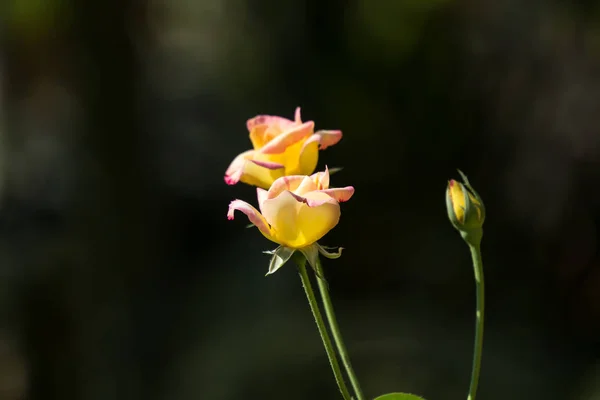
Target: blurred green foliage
point(33, 19)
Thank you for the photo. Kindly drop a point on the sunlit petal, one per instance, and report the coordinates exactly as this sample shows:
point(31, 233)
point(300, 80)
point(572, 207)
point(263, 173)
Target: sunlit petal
point(253, 215)
point(257, 136)
point(269, 120)
point(297, 117)
point(290, 182)
point(295, 223)
point(308, 157)
point(287, 138)
point(235, 170)
point(340, 194)
point(328, 138)
point(307, 185)
point(257, 174)
point(321, 179)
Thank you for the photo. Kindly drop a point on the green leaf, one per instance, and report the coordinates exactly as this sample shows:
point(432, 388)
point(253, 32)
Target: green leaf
point(335, 170)
point(399, 396)
point(281, 255)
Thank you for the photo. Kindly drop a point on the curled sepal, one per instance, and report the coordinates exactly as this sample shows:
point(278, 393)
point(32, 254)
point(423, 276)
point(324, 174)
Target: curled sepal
point(399, 396)
point(473, 191)
point(250, 226)
point(331, 255)
point(281, 255)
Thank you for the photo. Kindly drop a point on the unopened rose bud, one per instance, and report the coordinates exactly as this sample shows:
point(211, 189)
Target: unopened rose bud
point(465, 209)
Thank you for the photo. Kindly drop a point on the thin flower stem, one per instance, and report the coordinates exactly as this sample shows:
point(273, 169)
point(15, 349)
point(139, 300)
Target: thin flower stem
point(314, 307)
point(479, 314)
point(335, 330)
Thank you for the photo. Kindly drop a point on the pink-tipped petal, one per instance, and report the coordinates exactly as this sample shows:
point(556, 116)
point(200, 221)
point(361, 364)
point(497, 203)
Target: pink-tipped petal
point(291, 136)
point(235, 170)
point(289, 183)
point(328, 138)
point(297, 117)
point(258, 173)
point(340, 194)
point(270, 120)
point(267, 164)
point(295, 222)
point(253, 215)
point(310, 200)
point(233, 178)
point(312, 139)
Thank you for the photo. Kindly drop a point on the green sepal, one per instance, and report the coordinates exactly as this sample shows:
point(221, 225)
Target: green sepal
point(311, 253)
point(467, 207)
point(281, 255)
point(325, 253)
point(464, 177)
point(473, 191)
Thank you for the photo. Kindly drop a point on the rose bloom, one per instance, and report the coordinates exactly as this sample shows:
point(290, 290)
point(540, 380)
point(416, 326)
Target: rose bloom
point(296, 211)
point(281, 147)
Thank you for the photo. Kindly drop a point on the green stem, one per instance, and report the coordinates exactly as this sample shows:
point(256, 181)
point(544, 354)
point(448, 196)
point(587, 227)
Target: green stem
point(479, 314)
point(335, 330)
point(314, 307)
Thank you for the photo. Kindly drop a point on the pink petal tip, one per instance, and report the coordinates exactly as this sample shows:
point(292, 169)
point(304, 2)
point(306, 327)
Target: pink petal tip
point(230, 181)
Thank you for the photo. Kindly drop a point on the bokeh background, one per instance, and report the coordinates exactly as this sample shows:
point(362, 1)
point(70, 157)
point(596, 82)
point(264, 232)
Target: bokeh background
point(121, 277)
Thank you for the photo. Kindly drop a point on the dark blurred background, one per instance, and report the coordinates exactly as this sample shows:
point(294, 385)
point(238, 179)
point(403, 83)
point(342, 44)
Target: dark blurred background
point(123, 279)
